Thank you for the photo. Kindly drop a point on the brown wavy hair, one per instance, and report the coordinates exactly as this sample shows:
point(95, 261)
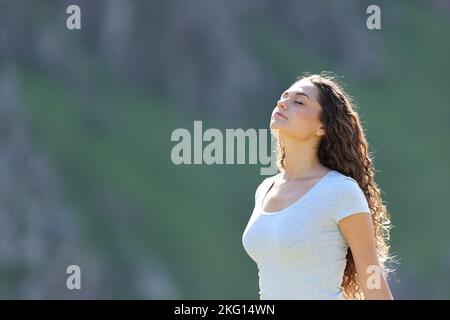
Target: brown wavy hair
point(344, 148)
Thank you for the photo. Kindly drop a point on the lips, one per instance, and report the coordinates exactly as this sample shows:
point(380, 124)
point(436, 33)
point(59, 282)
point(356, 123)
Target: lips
point(280, 115)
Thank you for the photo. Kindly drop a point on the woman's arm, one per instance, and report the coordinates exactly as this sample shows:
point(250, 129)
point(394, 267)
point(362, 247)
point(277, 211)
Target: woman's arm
point(358, 231)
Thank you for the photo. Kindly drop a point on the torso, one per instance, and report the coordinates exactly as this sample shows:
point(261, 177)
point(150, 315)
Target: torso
point(299, 250)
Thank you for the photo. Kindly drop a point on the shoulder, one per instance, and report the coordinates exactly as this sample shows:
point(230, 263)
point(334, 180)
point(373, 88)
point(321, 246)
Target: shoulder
point(343, 183)
point(265, 184)
point(347, 197)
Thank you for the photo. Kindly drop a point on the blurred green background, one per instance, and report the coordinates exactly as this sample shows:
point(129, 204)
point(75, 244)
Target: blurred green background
point(86, 117)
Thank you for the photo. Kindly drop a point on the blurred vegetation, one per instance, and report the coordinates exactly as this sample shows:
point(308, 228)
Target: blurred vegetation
point(104, 116)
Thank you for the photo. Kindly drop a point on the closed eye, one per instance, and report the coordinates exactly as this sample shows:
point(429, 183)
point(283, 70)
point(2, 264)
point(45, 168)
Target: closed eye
point(298, 102)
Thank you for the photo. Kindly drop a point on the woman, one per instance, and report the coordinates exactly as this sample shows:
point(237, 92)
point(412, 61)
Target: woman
point(319, 229)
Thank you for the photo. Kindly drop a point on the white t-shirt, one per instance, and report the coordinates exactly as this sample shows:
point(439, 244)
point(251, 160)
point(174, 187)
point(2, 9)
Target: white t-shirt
point(300, 251)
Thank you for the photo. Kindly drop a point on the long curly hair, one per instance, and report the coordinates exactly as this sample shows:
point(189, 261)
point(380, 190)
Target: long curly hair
point(344, 148)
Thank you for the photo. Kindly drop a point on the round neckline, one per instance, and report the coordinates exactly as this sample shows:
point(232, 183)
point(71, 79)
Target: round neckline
point(266, 213)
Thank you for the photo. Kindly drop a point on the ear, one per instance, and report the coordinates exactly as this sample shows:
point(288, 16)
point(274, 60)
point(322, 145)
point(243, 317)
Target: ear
point(321, 131)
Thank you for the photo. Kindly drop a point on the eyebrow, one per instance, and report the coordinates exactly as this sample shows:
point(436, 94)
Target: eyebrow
point(298, 93)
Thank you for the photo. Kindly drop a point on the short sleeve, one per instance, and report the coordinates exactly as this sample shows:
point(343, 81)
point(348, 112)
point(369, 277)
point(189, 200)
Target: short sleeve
point(348, 199)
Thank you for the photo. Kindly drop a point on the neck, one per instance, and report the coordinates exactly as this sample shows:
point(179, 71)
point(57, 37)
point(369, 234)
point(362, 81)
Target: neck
point(301, 161)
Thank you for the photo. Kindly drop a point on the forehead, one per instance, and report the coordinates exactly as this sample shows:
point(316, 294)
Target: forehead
point(305, 86)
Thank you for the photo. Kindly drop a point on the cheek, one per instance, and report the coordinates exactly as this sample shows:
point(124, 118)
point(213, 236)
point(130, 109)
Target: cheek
point(302, 123)
point(303, 119)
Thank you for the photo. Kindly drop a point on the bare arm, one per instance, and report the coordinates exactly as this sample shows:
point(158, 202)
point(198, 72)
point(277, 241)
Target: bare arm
point(358, 231)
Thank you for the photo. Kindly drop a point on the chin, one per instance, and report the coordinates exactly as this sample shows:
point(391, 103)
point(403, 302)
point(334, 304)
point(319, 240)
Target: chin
point(276, 125)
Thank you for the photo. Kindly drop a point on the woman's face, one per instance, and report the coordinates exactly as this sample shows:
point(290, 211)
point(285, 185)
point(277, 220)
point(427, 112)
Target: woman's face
point(297, 113)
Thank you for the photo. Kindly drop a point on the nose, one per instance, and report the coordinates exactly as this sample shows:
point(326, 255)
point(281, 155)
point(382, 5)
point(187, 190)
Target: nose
point(281, 105)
